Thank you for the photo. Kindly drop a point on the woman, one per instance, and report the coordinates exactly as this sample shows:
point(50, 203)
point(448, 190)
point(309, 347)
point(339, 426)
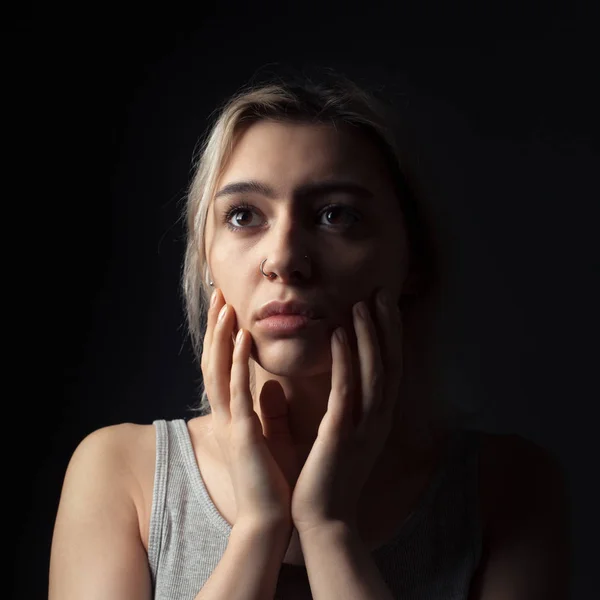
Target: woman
point(319, 466)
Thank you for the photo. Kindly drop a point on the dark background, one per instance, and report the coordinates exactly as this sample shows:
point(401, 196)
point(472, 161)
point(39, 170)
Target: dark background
point(103, 113)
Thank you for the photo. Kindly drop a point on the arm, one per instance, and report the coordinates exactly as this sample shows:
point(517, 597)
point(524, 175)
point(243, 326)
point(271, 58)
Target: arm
point(527, 548)
point(250, 566)
point(97, 551)
point(339, 565)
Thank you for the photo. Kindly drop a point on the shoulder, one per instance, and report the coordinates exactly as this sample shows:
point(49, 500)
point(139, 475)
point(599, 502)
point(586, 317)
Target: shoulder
point(526, 520)
point(96, 530)
point(509, 454)
point(516, 472)
point(106, 447)
point(124, 456)
point(116, 435)
point(118, 446)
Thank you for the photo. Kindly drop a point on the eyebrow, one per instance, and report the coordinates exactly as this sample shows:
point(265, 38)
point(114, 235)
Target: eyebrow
point(304, 191)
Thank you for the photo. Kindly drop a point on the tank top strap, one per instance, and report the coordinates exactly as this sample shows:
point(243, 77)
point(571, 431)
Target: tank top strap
point(159, 494)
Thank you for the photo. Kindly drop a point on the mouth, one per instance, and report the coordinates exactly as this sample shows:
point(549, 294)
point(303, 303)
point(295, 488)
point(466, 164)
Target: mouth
point(293, 308)
point(287, 324)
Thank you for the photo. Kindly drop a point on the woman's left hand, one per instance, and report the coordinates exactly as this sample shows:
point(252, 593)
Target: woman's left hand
point(346, 449)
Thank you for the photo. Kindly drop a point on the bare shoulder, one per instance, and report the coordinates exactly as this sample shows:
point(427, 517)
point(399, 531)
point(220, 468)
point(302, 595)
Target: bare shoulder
point(511, 465)
point(114, 446)
point(509, 454)
point(121, 435)
point(126, 455)
point(96, 529)
point(129, 448)
point(526, 521)
point(501, 446)
point(136, 447)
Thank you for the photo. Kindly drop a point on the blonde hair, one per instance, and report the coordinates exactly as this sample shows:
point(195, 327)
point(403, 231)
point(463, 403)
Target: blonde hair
point(333, 99)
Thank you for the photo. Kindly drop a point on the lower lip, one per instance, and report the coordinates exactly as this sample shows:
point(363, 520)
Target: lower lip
point(286, 323)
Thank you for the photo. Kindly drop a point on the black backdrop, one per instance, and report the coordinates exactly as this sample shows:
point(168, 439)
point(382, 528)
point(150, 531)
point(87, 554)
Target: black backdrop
point(105, 111)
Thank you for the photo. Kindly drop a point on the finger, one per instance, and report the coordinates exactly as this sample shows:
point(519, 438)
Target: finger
point(390, 334)
point(274, 411)
point(213, 311)
point(218, 374)
point(212, 316)
point(371, 369)
point(397, 365)
point(340, 405)
point(239, 387)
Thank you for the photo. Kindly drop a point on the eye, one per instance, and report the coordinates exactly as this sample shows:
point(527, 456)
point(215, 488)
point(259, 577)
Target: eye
point(234, 210)
point(243, 207)
point(337, 209)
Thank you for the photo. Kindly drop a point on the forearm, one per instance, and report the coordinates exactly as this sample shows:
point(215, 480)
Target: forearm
point(340, 566)
point(250, 565)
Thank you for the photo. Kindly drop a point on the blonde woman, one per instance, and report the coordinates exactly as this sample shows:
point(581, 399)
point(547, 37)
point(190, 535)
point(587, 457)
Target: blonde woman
point(321, 464)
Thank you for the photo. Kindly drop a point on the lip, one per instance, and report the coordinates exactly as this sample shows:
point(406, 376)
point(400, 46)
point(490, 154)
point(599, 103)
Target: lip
point(287, 324)
point(295, 308)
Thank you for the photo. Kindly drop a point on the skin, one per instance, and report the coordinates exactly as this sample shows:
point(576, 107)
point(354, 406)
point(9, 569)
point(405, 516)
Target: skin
point(350, 259)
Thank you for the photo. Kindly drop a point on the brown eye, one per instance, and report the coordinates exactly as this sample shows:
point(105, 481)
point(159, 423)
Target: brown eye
point(332, 212)
point(335, 210)
point(233, 211)
point(236, 213)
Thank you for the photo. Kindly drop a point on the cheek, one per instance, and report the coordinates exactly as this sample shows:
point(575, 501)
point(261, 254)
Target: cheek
point(226, 261)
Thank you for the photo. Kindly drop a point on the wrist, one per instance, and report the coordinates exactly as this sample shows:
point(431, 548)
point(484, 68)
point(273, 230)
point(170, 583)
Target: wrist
point(271, 528)
point(333, 529)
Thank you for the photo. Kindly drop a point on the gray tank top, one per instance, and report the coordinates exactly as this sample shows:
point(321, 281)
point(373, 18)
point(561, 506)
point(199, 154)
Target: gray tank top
point(433, 555)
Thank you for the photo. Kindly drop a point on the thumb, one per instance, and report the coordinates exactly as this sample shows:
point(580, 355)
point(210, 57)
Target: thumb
point(274, 415)
point(274, 411)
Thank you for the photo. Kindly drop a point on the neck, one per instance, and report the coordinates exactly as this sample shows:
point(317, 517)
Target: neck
point(414, 434)
point(415, 431)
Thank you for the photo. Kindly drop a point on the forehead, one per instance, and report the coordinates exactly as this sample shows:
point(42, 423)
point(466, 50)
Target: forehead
point(279, 151)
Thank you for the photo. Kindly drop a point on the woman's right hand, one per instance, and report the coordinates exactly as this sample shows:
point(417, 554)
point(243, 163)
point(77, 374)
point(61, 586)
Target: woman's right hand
point(262, 492)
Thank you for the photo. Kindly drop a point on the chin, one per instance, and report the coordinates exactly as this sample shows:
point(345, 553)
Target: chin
point(289, 358)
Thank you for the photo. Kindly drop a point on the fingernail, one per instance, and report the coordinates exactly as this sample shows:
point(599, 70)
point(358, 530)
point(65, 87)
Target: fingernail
point(383, 298)
point(213, 298)
point(361, 310)
point(222, 313)
point(238, 337)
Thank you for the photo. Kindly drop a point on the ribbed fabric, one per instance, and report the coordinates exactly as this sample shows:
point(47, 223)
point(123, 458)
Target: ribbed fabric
point(433, 555)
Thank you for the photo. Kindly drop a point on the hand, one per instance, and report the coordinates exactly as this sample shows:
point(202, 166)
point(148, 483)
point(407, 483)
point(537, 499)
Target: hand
point(261, 487)
point(346, 449)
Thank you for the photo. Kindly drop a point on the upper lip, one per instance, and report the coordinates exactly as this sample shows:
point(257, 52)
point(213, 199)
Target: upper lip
point(292, 307)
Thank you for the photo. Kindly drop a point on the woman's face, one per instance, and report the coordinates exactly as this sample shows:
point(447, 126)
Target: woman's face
point(322, 192)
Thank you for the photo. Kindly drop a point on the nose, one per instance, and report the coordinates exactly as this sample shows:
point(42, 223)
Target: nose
point(288, 257)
